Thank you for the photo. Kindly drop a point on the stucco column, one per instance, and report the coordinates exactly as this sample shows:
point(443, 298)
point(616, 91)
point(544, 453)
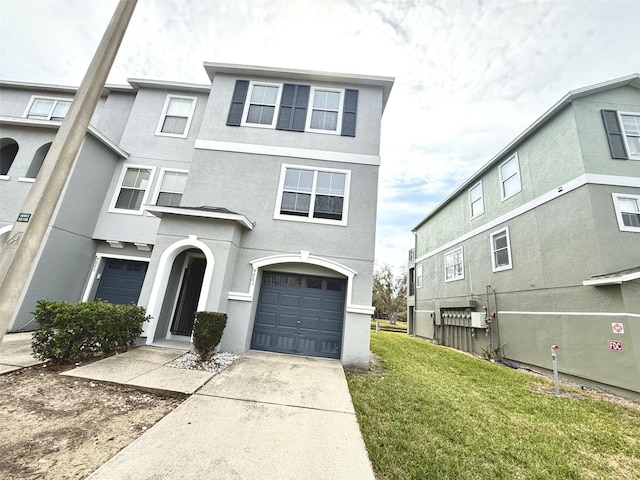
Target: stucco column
point(25, 240)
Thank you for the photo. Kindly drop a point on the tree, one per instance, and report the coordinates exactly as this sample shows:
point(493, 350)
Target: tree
point(389, 292)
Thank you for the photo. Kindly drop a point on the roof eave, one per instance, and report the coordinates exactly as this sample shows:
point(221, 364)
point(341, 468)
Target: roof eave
point(386, 83)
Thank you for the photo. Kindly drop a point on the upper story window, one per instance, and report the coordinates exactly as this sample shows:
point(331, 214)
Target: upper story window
point(171, 187)
point(627, 211)
point(307, 194)
point(325, 113)
point(454, 265)
point(419, 275)
point(133, 189)
point(176, 116)
point(292, 107)
point(261, 107)
point(500, 250)
point(46, 108)
point(510, 178)
point(631, 127)
point(623, 134)
point(475, 200)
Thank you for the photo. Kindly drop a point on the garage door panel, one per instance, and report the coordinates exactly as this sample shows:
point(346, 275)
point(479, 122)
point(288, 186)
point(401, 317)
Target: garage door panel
point(309, 315)
point(286, 343)
point(333, 326)
point(328, 347)
point(310, 323)
point(288, 300)
point(262, 339)
point(287, 321)
point(266, 318)
point(268, 298)
point(312, 302)
point(333, 305)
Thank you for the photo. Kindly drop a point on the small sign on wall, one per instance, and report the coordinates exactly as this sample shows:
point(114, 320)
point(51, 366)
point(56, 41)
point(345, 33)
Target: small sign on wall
point(24, 217)
point(617, 327)
point(615, 346)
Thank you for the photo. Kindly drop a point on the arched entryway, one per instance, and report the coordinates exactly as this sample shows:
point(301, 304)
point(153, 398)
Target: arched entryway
point(8, 152)
point(181, 288)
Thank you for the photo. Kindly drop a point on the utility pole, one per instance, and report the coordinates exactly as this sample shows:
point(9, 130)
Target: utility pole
point(25, 239)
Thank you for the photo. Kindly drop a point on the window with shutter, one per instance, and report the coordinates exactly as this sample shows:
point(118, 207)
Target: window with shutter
point(614, 134)
point(292, 107)
point(349, 113)
point(236, 109)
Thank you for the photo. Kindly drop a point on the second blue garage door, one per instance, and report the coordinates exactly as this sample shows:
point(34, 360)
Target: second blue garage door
point(300, 314)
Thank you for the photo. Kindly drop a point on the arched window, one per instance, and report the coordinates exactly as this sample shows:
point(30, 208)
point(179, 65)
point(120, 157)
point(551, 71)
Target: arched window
point(38, 158)
point(8, 152)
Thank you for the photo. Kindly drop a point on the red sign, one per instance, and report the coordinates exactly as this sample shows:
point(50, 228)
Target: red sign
point(617, 327)
point(615, 346)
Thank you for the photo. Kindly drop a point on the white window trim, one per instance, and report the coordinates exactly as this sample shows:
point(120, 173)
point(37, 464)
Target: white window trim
point(42, 97)
point(419, 275)
point(481, 199)
point(247, 104)
point(624, 134)
point(509, 266)
point(293, 218)
point(338, 130)
point(621, 226)
point(502, 180)
point(167, 101)
point(164, 170)
point(454, 279)
point(140, 211)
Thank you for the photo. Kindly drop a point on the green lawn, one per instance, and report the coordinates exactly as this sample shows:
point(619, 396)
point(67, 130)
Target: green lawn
point(433, 413)
point(387, 325)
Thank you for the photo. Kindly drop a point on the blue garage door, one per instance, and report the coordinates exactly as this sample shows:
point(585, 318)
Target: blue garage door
point(121, 281)
point(300, 314)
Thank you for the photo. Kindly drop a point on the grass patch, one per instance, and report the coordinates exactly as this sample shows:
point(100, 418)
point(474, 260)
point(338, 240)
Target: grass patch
point(434, 413)
point(388, 326)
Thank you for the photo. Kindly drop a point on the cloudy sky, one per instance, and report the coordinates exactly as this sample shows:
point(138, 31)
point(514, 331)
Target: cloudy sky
point(470, 74)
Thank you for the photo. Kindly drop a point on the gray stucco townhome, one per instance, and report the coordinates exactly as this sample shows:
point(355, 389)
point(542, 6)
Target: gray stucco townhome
point(254, 195)
point(541, 246)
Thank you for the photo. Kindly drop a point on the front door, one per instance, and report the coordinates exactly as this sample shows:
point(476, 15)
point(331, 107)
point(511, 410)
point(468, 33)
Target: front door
point(187, 304)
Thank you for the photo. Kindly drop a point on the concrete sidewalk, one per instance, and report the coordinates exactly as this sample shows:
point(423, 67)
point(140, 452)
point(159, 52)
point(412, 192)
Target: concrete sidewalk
point(15, 352)
point(144, 367)
point(267, 416)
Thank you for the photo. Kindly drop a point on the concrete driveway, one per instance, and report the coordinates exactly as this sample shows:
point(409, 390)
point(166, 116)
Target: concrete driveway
point(268, 416)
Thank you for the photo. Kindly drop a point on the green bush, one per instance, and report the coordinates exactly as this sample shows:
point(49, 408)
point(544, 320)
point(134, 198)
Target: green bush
point(69, 332)
point(207, 332)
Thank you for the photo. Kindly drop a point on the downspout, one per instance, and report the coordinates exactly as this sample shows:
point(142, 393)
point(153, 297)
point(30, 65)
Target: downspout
point(499, 348)
point(488, 319)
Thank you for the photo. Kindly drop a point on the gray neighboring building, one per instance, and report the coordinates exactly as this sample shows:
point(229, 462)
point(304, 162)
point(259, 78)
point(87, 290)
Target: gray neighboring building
point(546, 237)
point(254, 196)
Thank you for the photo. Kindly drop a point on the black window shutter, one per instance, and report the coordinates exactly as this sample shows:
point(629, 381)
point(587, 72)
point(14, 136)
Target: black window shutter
point(237, 103)
point(349, 113)
point(293, 107)
point(614, 134)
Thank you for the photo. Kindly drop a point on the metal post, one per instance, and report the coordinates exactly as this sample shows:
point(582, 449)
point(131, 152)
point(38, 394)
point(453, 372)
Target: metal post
point(25, 240)
point(555, 368)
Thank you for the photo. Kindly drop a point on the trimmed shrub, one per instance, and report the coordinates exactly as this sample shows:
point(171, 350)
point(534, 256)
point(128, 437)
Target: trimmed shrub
point(69, 332)
point(207, 332)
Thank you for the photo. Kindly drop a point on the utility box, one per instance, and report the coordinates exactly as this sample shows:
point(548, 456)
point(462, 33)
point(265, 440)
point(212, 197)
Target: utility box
point(478, 320)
